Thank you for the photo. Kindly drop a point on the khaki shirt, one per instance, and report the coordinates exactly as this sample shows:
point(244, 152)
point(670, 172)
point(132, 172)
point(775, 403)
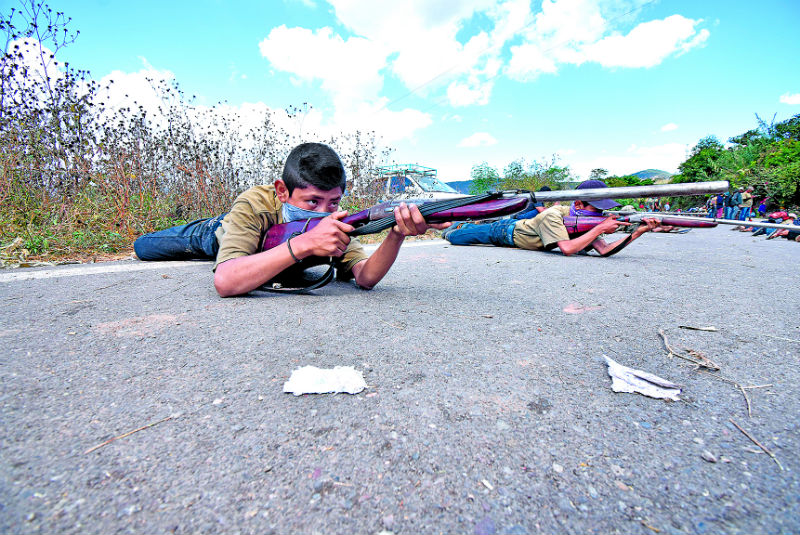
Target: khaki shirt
point(543, 231)
point(747, 200)
point(252, 214)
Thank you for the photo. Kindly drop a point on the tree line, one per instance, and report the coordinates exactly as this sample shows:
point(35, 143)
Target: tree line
point(766, 157)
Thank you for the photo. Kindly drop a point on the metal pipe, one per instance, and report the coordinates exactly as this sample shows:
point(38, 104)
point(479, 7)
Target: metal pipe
point(632, 192)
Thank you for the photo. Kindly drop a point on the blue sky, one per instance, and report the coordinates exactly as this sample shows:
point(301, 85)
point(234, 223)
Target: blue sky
point(622, 85)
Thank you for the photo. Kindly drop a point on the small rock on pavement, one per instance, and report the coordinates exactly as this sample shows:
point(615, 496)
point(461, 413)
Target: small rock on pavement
point(557, 468)
point(708, 456)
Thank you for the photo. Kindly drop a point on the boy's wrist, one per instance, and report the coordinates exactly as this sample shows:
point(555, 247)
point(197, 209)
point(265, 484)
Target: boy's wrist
point(299, 247)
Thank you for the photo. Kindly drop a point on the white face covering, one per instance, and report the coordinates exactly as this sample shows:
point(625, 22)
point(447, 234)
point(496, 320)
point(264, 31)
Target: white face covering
point(293, 213)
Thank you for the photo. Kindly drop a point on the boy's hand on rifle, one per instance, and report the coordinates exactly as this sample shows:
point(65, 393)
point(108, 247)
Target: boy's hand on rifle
point(651, 224)
point(410, 222)
point(328, 238)
point(610, 225)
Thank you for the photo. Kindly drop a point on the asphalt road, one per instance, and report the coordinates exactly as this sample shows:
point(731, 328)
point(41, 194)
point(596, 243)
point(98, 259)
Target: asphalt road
point(489, 408)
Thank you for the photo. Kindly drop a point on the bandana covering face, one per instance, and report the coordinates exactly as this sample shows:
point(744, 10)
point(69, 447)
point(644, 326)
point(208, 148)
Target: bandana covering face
point(574, 211)
point(293, 213)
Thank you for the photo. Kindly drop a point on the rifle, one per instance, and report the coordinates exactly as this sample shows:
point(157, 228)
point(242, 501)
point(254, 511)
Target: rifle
point(381, 217)
point(474, 207)
point(678, 220)
point(577, 225)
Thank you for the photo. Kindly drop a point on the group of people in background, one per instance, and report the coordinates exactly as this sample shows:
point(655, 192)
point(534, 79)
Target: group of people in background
point(655, 205)
point(739, 205)
point(736, 204)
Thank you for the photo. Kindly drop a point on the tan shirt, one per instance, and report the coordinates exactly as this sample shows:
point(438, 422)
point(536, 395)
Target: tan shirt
point(543, 231)
point(252, 214)
point(747, 200)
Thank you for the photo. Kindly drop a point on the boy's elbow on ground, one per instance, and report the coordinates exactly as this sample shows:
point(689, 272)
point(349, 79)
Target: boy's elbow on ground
point(364, 285)
point(222, 286)
point(565, 249)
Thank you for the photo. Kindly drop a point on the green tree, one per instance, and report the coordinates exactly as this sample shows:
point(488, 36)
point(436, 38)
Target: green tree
point(484, 178)
point(782, 173)
point(532, 177)
point(789, 129)
point(701, 166)
point(598, 174)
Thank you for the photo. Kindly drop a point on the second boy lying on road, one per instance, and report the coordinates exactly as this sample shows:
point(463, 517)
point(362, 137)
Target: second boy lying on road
point(547, 231)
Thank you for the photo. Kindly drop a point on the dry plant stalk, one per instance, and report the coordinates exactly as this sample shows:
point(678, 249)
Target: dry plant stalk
point(695, 357)
point(757, 443)
point(743, 389)
point(129, 433)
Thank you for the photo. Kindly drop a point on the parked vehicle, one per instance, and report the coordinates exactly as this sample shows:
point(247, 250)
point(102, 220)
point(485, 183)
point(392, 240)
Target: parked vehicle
point(411, 181)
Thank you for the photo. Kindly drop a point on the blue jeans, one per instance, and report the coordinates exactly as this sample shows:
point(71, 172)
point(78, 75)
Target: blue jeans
point(745, 211)
point(530, 214)
point(184, 242)
point(498, 233)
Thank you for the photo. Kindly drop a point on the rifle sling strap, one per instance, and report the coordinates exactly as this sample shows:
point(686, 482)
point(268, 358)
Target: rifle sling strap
point(319, 282)
point(625, 242)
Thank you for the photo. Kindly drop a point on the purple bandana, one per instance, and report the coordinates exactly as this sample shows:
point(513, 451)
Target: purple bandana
point(573, 211)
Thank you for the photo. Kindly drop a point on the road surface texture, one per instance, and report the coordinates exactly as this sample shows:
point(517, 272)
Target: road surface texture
point(488, 409)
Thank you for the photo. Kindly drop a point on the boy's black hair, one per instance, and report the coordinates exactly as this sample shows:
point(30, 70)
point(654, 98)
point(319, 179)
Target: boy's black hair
point(314, 164)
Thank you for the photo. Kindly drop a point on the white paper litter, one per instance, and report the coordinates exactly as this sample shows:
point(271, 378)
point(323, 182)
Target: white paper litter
point(624, 379)
point(313, 380)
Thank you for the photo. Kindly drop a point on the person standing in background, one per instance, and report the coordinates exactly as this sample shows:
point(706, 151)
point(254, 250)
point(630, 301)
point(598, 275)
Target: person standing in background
point(746, 204)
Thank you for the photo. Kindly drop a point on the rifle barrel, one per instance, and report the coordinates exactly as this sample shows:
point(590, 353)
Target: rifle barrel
point(632, 192)
point(736, 222)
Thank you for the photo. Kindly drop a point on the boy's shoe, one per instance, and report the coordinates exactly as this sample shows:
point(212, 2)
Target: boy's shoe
point(455, 226)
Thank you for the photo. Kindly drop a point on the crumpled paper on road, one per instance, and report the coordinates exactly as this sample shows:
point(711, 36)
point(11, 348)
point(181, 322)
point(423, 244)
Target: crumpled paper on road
point(624, 379)
point(313, 380)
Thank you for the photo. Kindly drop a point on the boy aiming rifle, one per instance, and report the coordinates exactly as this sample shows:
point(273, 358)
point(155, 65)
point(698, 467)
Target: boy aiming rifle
point(312, 186)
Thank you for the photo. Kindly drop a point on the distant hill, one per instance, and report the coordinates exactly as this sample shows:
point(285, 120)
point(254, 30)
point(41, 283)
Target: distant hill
point(656, 175)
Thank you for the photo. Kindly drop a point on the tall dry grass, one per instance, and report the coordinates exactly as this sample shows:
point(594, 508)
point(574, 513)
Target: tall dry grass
point(80, 178)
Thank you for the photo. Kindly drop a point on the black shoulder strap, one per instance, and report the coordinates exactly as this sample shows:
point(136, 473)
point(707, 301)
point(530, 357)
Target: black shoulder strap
point(324, 279)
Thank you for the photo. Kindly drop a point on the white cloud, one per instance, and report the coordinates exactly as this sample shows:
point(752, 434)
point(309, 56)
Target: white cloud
point(132, 89)
point(465, 94)
point(351, 65)
point(576, 32)
point(648, 44)
point(427, 47)
point(669, 127)
point(791, 99)
point(528, 61)
point(348, 69)
point(374, 117)
point(478, 139)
